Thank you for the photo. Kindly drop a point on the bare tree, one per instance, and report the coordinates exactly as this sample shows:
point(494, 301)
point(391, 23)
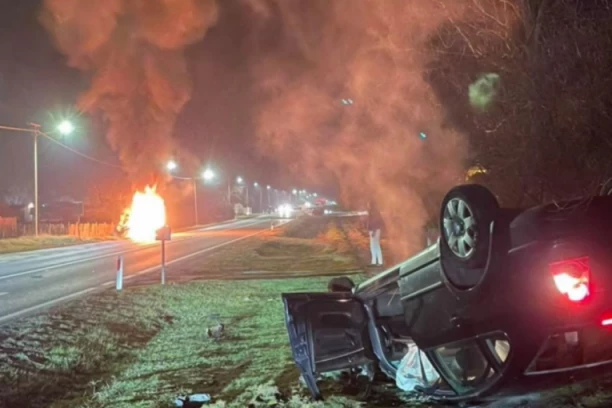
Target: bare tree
point(542, 133)
point(17, 195)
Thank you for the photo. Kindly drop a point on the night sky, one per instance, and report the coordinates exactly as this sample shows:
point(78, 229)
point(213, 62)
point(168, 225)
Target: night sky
point(36, 85)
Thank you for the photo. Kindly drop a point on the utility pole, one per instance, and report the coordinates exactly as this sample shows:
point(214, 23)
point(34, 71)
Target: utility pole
point(260, 199)
point(229, 193)
point(34, 129)
point(35, 132)
point(246, 186)
point(195, 201)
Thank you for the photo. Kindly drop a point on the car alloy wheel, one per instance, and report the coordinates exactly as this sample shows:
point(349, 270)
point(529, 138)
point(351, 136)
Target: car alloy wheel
point(460, 228)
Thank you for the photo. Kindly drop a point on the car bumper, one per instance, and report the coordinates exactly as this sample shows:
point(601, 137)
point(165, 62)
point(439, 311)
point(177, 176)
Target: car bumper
point(564, 356)
point(571, 349)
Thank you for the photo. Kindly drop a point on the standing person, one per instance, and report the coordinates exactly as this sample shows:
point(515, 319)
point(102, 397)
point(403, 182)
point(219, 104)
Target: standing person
point(375, 225)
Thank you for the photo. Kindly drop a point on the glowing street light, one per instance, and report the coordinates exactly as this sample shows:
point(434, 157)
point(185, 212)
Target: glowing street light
point(171, 165)
point(255, 184)
point(268, 187)
point(239, 180)
point(295, 191)
point(208, 175)
point(65, 127)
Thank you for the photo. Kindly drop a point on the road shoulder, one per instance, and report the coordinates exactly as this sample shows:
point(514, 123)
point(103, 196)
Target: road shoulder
point(148, 343)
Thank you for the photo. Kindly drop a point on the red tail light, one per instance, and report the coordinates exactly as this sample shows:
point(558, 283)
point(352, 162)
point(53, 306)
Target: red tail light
point(572, 278)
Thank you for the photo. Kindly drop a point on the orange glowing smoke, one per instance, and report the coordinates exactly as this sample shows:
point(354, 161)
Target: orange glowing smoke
point(146, 215)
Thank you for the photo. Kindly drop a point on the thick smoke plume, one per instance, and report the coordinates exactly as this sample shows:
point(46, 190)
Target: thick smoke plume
point(386, 141)
point(134, 52)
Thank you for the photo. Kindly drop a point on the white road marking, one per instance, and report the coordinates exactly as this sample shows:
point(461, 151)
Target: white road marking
point(78, 261)
point(94, 258)
point(3, 293)
point(50, 303)
point(154, 268)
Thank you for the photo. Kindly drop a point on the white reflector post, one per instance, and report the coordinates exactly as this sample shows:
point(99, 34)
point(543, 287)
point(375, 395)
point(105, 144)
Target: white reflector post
point(119, 284)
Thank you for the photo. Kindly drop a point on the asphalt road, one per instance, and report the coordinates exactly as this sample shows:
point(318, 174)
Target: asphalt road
point(32, 281)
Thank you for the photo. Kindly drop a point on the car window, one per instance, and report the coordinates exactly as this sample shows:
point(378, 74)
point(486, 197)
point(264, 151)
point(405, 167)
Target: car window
point(500, 347)
point(465, 366)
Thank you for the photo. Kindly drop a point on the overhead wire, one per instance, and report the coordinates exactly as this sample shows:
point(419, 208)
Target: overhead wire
point(70, 149)
point(79, 153)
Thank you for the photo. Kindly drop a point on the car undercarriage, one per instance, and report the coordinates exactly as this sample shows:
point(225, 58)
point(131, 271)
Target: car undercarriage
point(505, 298)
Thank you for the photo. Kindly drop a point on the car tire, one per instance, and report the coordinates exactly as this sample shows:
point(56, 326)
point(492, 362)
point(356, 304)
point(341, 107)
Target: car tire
point(341, 284)
point(465, 218)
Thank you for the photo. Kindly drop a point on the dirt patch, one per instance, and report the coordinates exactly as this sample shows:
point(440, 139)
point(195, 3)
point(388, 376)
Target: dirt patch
point(273, 254)
point(288, 248)
point(308, 227)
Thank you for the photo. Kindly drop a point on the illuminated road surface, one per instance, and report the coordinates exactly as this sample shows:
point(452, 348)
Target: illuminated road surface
point(32, 281)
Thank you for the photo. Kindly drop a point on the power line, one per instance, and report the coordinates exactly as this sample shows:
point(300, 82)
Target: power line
point(83, 155)
point(184, 178)
point(79, 153)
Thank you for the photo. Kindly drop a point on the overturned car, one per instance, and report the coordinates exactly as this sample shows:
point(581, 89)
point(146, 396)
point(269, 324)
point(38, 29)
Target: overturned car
point(505, 300)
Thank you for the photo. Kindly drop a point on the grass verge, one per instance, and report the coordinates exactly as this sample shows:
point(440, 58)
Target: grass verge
point(21, 244)
point(148, 344)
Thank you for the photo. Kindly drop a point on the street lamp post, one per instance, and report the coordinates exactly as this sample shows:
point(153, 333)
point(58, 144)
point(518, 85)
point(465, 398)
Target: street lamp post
point(229, 192)
point(257, 186)
point(65, 128)
point(195, 201)
point(207, 175)
point(240, 180)
point(35, 132)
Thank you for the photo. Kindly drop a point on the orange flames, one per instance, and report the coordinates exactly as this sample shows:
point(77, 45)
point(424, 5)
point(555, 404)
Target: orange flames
point(146, 215)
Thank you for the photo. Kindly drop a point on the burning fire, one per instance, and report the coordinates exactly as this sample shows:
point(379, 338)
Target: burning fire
point(145, 216)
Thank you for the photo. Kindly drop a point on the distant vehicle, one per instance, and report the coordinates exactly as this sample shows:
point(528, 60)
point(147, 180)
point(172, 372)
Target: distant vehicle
point(285, 210)
point(504, 298)
point(318, 211)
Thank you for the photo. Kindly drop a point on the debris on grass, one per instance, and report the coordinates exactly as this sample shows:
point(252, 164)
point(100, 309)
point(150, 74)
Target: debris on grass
point(216, 332)
point(192, 401)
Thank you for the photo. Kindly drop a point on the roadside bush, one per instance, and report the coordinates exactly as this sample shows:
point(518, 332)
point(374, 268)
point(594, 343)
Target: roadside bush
point(334, 237)
point(305, 228)
point(358, 237)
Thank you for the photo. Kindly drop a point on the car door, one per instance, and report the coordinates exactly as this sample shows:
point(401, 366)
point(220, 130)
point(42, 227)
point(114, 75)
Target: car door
point(327, 332)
